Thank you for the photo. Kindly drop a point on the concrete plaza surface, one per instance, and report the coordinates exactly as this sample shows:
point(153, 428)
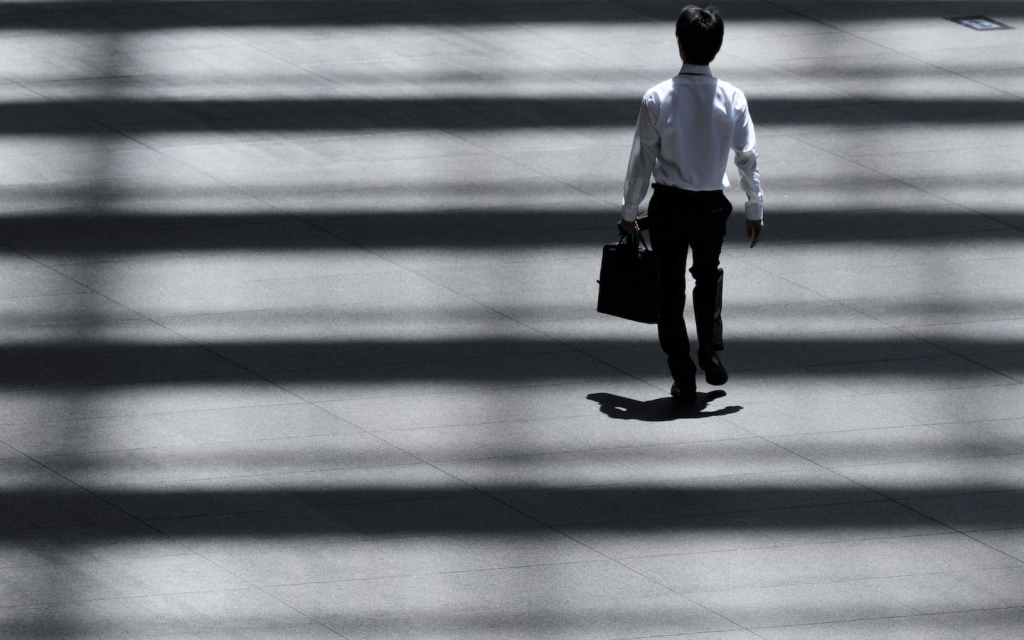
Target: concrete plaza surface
point(299, 341)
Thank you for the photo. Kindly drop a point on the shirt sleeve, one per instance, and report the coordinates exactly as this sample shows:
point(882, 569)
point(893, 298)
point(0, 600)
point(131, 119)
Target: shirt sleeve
point(646, 143)
point(744, 147)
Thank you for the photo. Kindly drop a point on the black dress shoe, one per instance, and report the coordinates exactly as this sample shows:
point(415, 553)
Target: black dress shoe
point(683, 396)
point(714, 370)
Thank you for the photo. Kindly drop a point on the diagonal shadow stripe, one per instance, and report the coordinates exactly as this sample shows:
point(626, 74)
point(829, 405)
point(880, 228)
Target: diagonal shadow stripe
point(378, 511)
point(127, 16)
point(474, 361)
point(459, 114)
point(79, 235)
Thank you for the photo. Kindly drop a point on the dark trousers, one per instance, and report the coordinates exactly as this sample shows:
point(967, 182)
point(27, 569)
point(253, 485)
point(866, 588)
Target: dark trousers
point(679, 221)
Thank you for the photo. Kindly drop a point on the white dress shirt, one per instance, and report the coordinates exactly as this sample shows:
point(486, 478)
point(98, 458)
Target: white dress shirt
point(687, 126)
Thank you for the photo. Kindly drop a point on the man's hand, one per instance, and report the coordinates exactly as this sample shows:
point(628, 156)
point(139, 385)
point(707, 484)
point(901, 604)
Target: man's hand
point(627, 227)
point(754, 229)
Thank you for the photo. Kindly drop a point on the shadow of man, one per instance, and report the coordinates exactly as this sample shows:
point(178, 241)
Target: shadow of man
point(660, 410)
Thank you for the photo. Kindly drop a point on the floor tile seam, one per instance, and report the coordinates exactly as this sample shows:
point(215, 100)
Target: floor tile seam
point(215, 355)
point(965, 357)
point(568, 452)
point(470, 390)
point(805, 370)
point(957, 149)
point(973, 534)
point(68, 421)
point(174, 448)
point(152, 486)
point(136, 382)
point(845, 543)
point(837, 581)
point(984, 323)
point(907, 603)
point(967, 76)
point(990, 457)
point(943, 323)
point(571, 451)
point(773, 547)
point(910, 178)
point(808, 336)
point(890, 178)
point(444, 572)
point(953, 440)
point(701, 512)
point(912, 337)
point(665, 485)
point(785, 546)
point(186, 551)
point(909, 616)
point(903, 499)
point(87, 350)
point(177, 333)
point(318, 400)
point(403, 362)
point(861, 485)
point(922, 358)
point(125, 597)
point(447, 572)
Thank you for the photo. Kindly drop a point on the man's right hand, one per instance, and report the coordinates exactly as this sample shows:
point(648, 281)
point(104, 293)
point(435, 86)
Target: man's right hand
point(627, 227)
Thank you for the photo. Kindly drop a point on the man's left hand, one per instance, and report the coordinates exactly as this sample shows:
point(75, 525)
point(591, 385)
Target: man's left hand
point(627, 227)
point(754, 229)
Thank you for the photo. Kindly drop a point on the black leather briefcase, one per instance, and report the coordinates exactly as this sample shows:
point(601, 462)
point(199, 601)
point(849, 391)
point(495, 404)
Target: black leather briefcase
point(629, 280)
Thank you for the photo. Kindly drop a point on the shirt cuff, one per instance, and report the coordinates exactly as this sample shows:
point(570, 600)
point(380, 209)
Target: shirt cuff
point(754, 211)
point(629, 213)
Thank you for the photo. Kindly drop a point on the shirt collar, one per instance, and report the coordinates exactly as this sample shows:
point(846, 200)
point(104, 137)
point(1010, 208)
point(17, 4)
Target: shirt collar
point(695, 69)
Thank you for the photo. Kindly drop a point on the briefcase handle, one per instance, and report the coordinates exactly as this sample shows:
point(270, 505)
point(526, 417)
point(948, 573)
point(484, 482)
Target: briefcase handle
point(634, 239)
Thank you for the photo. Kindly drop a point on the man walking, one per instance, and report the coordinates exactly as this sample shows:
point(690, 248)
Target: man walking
point(687, 126)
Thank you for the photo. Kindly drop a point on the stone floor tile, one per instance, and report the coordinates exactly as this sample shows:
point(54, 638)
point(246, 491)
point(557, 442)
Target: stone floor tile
point(354, 391)
point(34, 508)
point(972, 511)
point(344, 558)
point(510, 403)
point(147, 467)
point(173, 429)
point(778, 490)
point(801, 604)
point(218, 614)
point(755, 529)
point(623, 618)
point(119, 367)
point(37, 281)
point(559, 507)
point(995, 624)
point(1009, 541)
point(878, 446)
point(121, 578)
point(251, 532)
point(633, 426)
point(939, 477)
point(957, 591)
point(910, 626)
point(470, 513)
point(821, 413)
point(541, 471)
point(850, 560)
point(580, 584)
point(843, 522)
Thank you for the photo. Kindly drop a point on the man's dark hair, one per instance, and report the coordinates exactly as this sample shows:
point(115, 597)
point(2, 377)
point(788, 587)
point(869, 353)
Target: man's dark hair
point(699, 31)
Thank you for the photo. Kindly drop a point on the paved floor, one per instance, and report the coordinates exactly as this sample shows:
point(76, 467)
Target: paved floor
point(299, 336)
